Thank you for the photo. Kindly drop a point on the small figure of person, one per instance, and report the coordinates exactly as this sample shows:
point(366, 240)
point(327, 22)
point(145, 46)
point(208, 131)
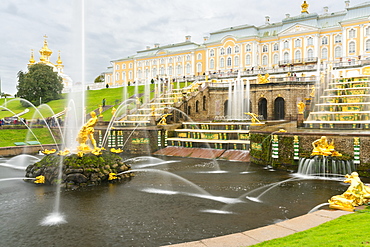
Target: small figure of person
point(103, 102)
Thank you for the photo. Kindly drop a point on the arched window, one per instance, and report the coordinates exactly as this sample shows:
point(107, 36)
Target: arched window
point(276, 47)
point(117, 67)
point(170, 70)
point(298, 43)
point(170, 60)
point(139, 74)
point(310, 55)
point(123, 75)
point(222, 51)
point(199, 56)
point(264, 48)
point(212, 64)
point(324, 53)
point(286, 57)
point(338, 52)
point(199, 67)
point(147, 73)
point(154, 72)
point(324, 40)
point(162, 71)
point(352, 47)
point(123, 66)
point(367, 45)
point(197, 106)
point(297, 56)
point(188, 68)
point(228, 51)
point(309, 41)
point(236, 49)
point(117, 76)
point(188, 58)
point(276, 59)
point(367, 31)
point(248, 47)
point(222, 62)
point(248, 59)
point(212, 53)
point(130, 75)
point(229, 62)
point(179, 69)
point(236, 61)
point(162, 61)
point(338, 38)
point(264, 60)
point(286, 44)
point(352, 33)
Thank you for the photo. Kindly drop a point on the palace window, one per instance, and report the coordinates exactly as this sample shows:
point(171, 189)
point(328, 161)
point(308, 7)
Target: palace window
point(147, 73)
point(188, 58)
point(352, 47)
point(236, 61)
point(324, 40)
point(310, 55)
point(338, 38)
point(123, 66)
point(199, 56)
point(297, 56)
point(130, 75)
point(264, 60)
point(212, 64)
point(123, 75)
point(212, 53)
point(309, 41)
point(179, 69)
point(236, 49)
point(222, 62)
point(248, 47)
point(117, 76)
point(139, 73)
point(229, 62)
point(154, 72)
point(222, 51)
point(170, 70)
point(367, 45)
point(324, 53)
point(298, 43)
point(338, 52)
point(162, 71)
point(286, 44)
point(162, 61)
point(188, 68)
point(199, 67)
point(146, 63)
point(154, 62)
point(352, 33)
point(228, 51)
point(276, 59)
point(367, 31)
point(286, 57)
point(117, 67)
point(178, 59)
point(264, 48)
point(248, 59)
point(139, 64)
point(170, 60)
point(276, 47)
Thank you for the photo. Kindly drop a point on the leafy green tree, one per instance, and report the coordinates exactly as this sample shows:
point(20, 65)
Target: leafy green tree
point(98, 79)
point(40, 82)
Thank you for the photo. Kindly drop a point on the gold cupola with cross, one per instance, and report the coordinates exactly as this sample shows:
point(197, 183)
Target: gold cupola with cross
point(304, 7)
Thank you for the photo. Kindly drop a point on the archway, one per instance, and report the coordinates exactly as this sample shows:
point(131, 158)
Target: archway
point(262, 108)
point(226, 103)
point(279, 108)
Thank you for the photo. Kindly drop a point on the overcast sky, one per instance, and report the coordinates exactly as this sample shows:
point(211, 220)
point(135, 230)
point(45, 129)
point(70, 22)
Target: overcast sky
point(118, 28)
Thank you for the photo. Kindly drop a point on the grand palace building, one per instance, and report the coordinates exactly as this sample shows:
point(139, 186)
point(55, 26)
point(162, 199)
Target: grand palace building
point(291, 52)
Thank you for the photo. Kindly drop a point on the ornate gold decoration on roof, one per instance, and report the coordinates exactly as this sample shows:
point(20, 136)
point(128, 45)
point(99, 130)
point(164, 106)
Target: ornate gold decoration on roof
point(304, 7)
point(59, 61)
point(32, 59)
point(45, 52)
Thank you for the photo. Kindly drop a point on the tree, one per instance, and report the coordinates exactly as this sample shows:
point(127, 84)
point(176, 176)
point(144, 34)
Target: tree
point(40, 83)
point(98, 79)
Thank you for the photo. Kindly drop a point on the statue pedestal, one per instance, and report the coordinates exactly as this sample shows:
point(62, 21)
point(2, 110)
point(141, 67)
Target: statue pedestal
point(300, 119)
point(152, 120)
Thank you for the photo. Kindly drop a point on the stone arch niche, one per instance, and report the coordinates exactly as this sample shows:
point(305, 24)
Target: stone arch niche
point(262, 108)
point(279, 108)
point(225, 107)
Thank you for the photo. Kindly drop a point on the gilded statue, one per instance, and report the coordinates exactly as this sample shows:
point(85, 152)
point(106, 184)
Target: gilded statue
point(323, 147)
point(357, 194)
point(304, 7)
point(301, 107)
point(163, 120)
point(87, 132)
point(263, 78)
point(254, 117)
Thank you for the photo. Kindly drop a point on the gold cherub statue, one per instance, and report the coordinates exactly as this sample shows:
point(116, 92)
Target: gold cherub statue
point(87, 132)
point(357, 194)
point(301, 107)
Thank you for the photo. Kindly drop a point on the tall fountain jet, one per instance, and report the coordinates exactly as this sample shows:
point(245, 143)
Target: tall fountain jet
point(238, 102)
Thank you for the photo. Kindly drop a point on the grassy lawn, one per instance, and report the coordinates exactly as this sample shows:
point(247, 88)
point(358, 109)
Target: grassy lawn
point(347, 230)
point(9, 136)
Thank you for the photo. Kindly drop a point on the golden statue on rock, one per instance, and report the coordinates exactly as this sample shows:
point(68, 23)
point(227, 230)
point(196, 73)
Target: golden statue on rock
point(163, 120)
point(357, 194)
point(322, 147)
point(87, 132)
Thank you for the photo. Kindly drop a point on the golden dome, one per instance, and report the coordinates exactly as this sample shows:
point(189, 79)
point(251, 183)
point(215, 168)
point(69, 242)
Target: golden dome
point(32, 59)
point(59, 61)
point(45, 52)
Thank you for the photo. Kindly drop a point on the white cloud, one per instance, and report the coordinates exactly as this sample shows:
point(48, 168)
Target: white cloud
point(118, 28)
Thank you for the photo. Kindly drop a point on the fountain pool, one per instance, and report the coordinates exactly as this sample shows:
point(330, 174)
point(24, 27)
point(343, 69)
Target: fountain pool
point(155, 209)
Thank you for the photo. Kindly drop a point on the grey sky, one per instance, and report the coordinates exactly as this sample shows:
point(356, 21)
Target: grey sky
point(118, 28)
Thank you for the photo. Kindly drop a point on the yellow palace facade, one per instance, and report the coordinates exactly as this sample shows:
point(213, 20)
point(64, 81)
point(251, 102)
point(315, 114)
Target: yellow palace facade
point(300, 40)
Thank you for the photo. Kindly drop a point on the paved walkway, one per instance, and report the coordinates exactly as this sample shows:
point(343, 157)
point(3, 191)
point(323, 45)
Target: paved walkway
point(262, 234)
